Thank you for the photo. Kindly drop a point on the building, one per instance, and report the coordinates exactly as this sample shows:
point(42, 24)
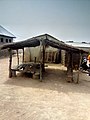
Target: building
point(5, 37)
point(82, 45)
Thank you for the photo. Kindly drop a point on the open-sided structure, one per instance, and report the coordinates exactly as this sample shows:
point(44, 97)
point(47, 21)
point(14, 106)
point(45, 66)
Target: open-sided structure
point(43, 41)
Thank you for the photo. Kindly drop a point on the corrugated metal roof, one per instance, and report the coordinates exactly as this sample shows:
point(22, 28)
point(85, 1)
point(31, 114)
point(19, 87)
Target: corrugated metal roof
point(79, 45)
point(4, 32)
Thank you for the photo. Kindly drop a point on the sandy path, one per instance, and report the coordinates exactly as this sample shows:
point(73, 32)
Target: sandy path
point(23, 98)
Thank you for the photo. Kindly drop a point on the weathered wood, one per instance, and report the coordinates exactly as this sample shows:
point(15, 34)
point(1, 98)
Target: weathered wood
point(10, 63)
point(23, 55)
point(40, 61)
point(70, 67)
point(26, 68)
point(43, 59)
point(17, 57)
point(41, 72)
point(14, 73)
point(35, 41)
point(79, 68)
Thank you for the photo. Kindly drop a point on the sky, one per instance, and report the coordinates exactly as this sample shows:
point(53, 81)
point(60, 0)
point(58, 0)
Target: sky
point(63, 19)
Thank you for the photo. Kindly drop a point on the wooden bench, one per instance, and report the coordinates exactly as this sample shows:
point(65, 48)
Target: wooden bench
point(25, 68)
point(14, 69)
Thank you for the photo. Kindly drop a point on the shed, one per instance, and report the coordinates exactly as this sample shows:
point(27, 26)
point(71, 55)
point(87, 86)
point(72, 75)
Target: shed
point(43, 41)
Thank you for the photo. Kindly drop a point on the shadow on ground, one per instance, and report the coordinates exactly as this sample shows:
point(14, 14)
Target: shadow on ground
point(54, 79)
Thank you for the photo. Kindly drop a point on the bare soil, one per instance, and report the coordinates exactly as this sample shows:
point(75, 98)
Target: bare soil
point(24, 98)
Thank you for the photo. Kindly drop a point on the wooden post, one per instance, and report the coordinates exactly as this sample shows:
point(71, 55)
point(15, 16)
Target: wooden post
point(40, 61)
point(17, 57)
point(10, 63)
point(23, 55)
point(79, 68)
point(43, 60)
point(40, 72)
point(69, 67)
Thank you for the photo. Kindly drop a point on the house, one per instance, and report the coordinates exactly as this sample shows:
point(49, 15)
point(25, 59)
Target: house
point(5, 37)
point(80, 45)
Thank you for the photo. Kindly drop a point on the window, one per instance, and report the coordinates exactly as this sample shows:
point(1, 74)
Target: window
point(1, 39)
point(6, 40)
point(83, 42)
point(10, 40)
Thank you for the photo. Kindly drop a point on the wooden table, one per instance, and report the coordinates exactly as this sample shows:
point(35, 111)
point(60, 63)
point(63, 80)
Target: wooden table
point(30, 67)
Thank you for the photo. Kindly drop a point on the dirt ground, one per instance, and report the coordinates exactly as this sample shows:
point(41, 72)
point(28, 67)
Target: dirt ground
point(24, 98)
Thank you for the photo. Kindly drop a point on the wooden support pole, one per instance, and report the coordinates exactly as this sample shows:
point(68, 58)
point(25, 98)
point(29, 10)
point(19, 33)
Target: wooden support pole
point(10, 63)
point(17, 57)
point(40, 72)
point(79, 68)
point(70, 67)
point(23, 55)
point(40, 61)
point(43, 60)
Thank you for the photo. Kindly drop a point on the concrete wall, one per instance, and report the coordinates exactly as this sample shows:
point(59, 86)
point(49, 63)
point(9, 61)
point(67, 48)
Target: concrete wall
point(5, 40)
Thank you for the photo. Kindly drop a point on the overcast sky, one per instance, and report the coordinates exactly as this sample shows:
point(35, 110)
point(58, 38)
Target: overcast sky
point(63, 19)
